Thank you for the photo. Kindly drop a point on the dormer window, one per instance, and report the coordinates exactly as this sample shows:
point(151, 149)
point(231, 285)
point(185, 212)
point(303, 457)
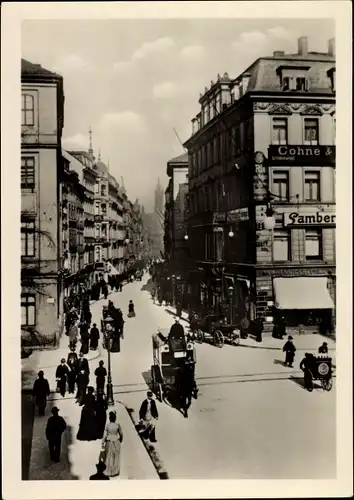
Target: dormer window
point(301, 84)
point(286, 83)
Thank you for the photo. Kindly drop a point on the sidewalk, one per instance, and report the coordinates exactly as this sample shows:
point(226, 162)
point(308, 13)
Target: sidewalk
point(303, 342)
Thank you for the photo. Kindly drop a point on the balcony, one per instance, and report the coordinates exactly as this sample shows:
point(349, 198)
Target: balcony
point(29, 203)
point(98, 218)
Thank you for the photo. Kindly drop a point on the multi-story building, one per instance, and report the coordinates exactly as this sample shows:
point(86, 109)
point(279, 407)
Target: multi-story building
point(176, 214)
point(154, 224)
point(116, 224)
point(42, 120)
point(264, 144)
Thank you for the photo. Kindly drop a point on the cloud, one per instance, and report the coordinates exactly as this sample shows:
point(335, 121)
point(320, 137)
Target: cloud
point(71, 62)
point(155, 47)
point(262, 43)
point(125, 118)
point(192, 51)
point(78, 141)
point(122, 66)
point(165, 90)
point(279, 32)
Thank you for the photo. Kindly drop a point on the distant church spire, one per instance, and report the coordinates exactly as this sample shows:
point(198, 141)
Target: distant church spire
point(99, 155)
point(159, 197)
point(90, 139)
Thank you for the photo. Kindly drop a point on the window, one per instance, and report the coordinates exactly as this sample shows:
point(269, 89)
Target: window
point(27, 172)
point(103, 190)
point(280, 131)
point(104, 209)
point(301, 84)
point(312, 186)
point(211, 157)
point(313, 244)
point(97, 187)
point(311, 131)
point(281, 184)
point(218, 103)
point(28, 310)
point(27, 239)
point(286, 83)
point(27, 110)
point(281, 246)
point(97, 230)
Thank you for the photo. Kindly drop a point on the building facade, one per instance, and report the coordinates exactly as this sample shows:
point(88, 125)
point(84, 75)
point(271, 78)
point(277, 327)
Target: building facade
point(176, 213)
point(42, 121)
point(262, 190)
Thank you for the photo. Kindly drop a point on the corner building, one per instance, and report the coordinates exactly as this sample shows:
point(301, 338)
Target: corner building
point(267, 140)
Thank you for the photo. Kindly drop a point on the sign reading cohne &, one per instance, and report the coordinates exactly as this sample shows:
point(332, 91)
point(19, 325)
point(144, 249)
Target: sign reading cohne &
point(301, 155)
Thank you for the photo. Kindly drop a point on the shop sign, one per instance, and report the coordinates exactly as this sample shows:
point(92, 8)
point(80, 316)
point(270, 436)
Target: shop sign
point(238, 215)
point(301, 155)
point(295, 272)
point(308, 219)
point(219, 217)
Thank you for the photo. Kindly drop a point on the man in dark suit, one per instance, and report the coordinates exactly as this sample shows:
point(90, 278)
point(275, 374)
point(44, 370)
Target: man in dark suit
point(148, 415)
point(176, 338)
point(82, 364)
point(55, 427)
point(40, 392)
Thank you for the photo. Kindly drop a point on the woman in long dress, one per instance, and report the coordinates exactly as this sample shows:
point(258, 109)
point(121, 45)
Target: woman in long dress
point(101, 414)
point(111, 445)
point(87, 426)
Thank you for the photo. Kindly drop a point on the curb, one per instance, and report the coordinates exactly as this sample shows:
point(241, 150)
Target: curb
point(150, 449)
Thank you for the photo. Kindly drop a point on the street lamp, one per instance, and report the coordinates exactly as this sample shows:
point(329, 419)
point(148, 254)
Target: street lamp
point(186, 237)
point(231, 233)
point(269, 219)
point(109, 332)
point(231, 291)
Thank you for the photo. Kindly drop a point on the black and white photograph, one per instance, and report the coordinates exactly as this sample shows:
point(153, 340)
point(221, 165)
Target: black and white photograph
point(177, 290)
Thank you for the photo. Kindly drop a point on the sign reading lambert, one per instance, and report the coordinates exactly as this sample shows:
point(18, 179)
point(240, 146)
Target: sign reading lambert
point(318, 218)
point(301, 155)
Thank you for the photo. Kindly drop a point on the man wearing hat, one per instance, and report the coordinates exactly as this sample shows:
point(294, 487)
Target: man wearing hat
point(323, 349)
point(56, 425)
point(101, 467)
point(148, 415)
point(289, 350)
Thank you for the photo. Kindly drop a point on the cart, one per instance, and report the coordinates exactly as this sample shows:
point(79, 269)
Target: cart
point(322, 371)
point(167, 362)
point(214, 328)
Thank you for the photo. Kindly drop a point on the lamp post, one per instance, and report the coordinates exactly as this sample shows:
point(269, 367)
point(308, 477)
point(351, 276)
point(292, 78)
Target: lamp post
point(231, 291)
point(110, 399)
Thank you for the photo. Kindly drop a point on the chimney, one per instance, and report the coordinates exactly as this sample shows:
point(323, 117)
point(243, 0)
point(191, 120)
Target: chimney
point(302, 46)
point(278, 53)
point(332, 47)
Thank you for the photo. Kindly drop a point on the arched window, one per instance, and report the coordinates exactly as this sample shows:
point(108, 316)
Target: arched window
point(27, 108)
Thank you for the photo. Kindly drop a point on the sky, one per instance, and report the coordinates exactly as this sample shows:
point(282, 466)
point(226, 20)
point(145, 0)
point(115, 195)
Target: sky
point(135, 81)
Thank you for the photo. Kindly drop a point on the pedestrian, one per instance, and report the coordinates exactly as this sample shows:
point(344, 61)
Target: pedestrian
point(121, 286)
point(259, 325)
point(101, 374)
point(111, 445)
point(61, 375)
point(306, 366)
point(131, 309)
point(105, 290)
point(279, 329)
point(85, 337)
point(176, 337)
point(40, 392)
point(72, 364)
point(289, 350)
point(101, 414)
point(73, 334)
point(148, 415)
point(323, 349)
point(82, 364)
point(56, 425)
point(94, 337)
point(87, 426)
point(101, 467)
point(82, 381)
point(244, 326)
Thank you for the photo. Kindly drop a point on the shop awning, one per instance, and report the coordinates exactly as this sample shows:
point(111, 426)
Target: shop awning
point(302, 293)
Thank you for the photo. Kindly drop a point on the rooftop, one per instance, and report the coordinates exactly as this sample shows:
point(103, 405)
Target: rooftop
point(31, 69)
point(183, 158)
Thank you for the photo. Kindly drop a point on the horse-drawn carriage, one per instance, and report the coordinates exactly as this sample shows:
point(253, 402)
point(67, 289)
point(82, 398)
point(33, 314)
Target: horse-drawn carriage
point(215, 329)
point(172, 358)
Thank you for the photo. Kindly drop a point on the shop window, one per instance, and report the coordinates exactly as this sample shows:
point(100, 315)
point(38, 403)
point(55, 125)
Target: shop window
point(313, 244)
point(27, 239)
point(28, 310)
point(280, 131)
point(312, 186)
point(281, 246)
point(27, 173)
point(311, 131)
point(27, 117)
point(281, 184)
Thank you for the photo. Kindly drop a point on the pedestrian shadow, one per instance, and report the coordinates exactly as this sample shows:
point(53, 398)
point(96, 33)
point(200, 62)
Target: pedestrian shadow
point(148, 287)
point(300, 382)
point(174, 313)
point(279, 362)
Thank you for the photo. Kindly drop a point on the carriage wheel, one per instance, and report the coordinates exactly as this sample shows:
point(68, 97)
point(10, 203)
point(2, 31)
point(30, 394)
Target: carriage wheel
point(327, 384)
point(218, 338)
point(200, 336)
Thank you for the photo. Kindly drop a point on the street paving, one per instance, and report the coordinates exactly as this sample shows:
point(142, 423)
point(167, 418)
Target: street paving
point(252, 419)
